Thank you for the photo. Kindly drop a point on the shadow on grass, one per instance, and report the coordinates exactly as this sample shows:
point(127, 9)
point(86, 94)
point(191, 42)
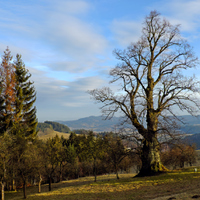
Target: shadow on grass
point(45, 189)
point(123, 195)
point(122, 189)
point(142, 193)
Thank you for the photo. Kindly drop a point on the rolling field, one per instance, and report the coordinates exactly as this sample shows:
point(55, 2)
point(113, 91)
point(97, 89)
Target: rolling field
point(177, 185)
point(51, 133)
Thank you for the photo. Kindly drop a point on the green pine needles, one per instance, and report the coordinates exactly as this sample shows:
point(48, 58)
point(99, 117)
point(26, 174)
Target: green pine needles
point(17, 98)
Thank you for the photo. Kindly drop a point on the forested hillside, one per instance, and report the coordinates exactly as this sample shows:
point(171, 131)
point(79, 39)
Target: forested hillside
point(54, 126)
point(50, 129)
point(193, 139)
point(43, 126)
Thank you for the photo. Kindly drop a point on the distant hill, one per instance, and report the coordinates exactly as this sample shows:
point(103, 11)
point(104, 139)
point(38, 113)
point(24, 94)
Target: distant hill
point(42, 126)
point(95, 123)
point(58, 127)
point(49, 129)
point(191, 128)
point(54, 126)
point(192, 124)
point(193, 139)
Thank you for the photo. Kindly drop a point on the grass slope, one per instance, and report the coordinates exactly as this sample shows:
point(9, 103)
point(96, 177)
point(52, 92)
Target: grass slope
point(179, 184)
point(49, 133)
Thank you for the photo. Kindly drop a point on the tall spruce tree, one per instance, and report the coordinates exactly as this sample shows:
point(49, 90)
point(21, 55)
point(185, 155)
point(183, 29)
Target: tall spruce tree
point(25, 112)
point(2, 107)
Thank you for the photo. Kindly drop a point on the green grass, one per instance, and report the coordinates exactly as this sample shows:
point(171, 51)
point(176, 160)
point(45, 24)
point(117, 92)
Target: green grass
point(108, 187)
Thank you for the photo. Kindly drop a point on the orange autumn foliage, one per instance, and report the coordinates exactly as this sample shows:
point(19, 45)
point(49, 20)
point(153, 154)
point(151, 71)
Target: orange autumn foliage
point(7, 72)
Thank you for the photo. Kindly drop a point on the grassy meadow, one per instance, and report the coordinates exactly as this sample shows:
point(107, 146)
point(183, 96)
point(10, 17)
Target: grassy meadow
point(179, 184)
point(49, 133)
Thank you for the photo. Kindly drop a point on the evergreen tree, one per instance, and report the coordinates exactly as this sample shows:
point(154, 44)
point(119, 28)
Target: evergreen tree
point(2, 107)
point(25, 112)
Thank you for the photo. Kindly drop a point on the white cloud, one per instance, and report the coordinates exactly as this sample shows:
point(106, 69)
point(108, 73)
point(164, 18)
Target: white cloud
point(57, 98)
point(183, 12)
point(73, 37)
point(67, 51)
point(56, 31)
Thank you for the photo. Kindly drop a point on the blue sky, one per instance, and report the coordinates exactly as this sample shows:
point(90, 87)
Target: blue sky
point(67, 44)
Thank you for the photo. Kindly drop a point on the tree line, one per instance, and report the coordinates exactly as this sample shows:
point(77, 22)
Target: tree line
point(25, 163)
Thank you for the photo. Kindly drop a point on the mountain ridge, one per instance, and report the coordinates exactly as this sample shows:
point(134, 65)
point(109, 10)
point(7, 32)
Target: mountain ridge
point(95, 123)
point(98, 124)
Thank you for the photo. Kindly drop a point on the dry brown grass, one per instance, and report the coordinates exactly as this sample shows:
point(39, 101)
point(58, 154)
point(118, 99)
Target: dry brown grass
point(180, 185)
point(51, 133)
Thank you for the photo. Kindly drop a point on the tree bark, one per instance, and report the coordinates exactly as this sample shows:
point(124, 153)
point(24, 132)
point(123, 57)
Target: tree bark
point(14, 188)
point(24, 188)
point(50, 181)
point(151, 162)
point(39, 183)
point(2, 190)
point(117, 174)
point(60, 176)
point(116, 169)
point(95, 170)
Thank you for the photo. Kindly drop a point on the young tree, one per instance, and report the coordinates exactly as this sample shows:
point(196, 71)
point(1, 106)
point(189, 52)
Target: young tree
point(153, 85)
point(51, 157)
point(26, 159)
point(93, 150)
point(116, 152)
point(4, 161)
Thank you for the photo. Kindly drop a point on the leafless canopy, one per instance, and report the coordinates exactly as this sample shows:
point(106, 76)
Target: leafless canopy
point(153, 75)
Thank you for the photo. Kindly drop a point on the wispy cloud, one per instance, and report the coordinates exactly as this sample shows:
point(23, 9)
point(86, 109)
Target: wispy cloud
point(183, 12)
point(68, 51)
point(126, 32)
point(58, 97)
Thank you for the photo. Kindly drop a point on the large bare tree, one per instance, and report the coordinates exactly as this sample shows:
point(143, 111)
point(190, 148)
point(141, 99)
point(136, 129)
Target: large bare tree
point(154, 84)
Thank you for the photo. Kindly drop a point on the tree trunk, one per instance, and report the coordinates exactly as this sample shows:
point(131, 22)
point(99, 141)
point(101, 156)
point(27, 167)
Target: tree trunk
point(95, 170)
point(117, 174)
point(60, 176)
point(14, 188)
point(116, 170)
point(182, 163)
point(39, 183)
point(24, 188)
point(2, 190)
point(150, 156)
point(50, 181)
